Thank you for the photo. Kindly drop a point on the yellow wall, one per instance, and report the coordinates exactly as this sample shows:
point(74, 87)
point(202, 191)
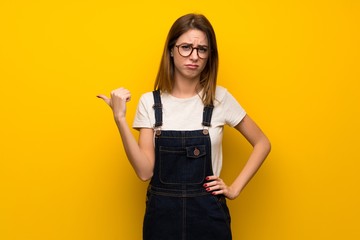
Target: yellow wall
point(293, 65)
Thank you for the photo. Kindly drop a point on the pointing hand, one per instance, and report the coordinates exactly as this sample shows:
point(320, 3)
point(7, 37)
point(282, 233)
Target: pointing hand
point(117, 101)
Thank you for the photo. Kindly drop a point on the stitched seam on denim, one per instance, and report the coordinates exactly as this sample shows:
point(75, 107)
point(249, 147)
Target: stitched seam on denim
point(226, 217)
point(184, 220)
point(178, 195)
point(171, 137)
point(199, 189)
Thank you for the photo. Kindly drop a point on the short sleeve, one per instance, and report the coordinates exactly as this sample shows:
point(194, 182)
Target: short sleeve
point(144, 111)
point(232, 110)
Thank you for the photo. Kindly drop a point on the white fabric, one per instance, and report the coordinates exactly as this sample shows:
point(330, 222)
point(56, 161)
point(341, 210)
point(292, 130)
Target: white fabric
point(187, 113)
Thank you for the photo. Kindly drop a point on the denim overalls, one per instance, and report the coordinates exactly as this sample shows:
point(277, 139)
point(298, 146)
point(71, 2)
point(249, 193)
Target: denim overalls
point(178, 207)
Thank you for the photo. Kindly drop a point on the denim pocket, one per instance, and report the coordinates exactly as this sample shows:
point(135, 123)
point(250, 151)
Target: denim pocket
point(182, 165)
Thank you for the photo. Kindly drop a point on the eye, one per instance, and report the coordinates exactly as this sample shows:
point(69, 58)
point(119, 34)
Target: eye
point(202, 49)
point(186, 47)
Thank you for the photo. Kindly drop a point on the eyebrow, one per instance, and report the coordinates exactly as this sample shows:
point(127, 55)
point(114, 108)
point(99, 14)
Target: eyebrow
point(199, 45)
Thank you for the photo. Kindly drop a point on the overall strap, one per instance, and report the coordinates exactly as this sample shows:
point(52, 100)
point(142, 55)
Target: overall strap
point(158, 108)
point(207, 113)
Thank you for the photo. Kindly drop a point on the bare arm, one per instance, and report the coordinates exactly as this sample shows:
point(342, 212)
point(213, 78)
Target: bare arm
point(261, 148)
point(140, 154)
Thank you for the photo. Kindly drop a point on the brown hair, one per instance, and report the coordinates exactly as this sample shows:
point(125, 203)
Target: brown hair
point(165, 77)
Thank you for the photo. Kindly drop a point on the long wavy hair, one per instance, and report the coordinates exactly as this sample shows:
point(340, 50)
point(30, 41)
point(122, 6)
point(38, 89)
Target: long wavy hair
point(165, 77)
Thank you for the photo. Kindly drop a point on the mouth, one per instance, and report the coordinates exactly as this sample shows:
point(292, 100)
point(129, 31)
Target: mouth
point(192, 66)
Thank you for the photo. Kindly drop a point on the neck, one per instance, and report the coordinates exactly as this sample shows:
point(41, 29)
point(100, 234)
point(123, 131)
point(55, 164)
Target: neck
point(184, 88)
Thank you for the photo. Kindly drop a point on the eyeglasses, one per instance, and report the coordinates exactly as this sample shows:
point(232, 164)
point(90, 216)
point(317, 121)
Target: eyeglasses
point(186, 50)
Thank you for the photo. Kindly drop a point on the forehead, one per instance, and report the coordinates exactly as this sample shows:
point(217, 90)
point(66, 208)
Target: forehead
point(193, 36)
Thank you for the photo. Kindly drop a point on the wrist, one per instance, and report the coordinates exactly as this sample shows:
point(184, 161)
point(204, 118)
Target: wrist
point(235, 191)
point(119, 119)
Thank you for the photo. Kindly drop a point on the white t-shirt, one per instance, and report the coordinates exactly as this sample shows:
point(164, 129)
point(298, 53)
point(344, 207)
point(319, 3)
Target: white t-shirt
point(187, 113)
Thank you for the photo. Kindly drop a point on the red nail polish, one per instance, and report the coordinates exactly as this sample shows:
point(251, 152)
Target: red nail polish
point(207, 178)
point(205, 185)
point(208, 189)
point(213, 193)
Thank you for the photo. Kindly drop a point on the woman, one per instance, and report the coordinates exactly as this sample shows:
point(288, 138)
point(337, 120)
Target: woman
point(179, 147)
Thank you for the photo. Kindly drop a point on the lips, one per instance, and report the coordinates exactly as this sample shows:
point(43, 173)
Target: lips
point(192, 66)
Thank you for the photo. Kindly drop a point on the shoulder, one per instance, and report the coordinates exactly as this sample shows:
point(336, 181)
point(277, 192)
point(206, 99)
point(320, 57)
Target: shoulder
point(147, 98)
point(146, 102)
point(147, 95)
point(220, 91)
point(221, 94)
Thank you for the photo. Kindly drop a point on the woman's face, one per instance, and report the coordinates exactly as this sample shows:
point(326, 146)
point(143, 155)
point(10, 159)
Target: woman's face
point(190, 54)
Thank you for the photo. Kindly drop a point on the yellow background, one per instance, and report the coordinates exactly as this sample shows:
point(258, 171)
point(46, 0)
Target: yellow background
point(293, 65)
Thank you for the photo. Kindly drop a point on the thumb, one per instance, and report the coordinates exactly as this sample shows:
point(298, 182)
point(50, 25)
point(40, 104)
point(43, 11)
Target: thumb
point(105, 98)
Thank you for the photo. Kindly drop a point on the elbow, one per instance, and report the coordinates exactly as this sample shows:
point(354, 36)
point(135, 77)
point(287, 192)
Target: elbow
point(263, 145)
point(267, 145)
point(145, 177)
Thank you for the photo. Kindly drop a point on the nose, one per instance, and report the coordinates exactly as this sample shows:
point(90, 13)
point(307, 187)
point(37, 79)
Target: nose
point(194, 55)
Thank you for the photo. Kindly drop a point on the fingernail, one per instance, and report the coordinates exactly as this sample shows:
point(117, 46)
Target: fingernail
point(205, 185)
point(208, 189)
point(207, 178)
point(213, 193)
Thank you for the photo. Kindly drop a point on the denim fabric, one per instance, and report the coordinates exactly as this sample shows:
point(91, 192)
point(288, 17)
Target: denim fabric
point(177, 205)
